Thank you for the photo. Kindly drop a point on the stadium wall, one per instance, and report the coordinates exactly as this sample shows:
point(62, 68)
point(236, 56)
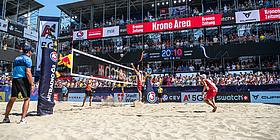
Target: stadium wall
point(189, 94)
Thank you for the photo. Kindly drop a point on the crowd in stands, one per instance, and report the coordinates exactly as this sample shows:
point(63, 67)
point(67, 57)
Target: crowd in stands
point(188, 11)
point(214, 67)
point(164, 42)
point(234, 73)
point(219, 79)
point(5, 80)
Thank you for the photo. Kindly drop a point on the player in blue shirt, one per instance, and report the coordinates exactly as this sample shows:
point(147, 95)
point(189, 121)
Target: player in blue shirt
point(22, 82)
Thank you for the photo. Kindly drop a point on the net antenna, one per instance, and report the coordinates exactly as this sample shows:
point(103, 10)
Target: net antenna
point(99, 59)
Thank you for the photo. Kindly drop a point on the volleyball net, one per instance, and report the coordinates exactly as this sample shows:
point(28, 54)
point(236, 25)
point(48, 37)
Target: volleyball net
point(90, 66)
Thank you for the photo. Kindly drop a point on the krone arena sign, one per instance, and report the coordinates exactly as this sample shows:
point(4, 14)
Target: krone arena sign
point(175, 24)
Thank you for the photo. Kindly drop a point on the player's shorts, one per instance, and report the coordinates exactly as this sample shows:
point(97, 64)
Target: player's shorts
point(88, 93)
point(210, 94)
point(21, 85)
point(139, 87)
point(159, 95)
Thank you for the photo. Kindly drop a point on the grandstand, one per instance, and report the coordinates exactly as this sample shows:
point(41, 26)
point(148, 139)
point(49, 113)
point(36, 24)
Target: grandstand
point(231, 32)
point(18, 25)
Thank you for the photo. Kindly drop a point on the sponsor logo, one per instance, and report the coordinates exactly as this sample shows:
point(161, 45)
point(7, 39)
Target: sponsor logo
point(52, 79)
point(255, 97)
point(233, 97)
point(228, 19)
point(191, 97)
point(270, 14)
point(49, 31)
point(171, 97)
point(76, 97)
point(164, 97)
point(111, 31)
point(54, 56)
point(175, 24)
point(126, 97)
point(247, 15)
point(265, 97)
point(131, 97)
point(151, 97)
point(80, 34)
point(95, 33)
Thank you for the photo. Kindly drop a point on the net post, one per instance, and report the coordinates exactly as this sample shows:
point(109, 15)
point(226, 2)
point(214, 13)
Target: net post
point(72, 64)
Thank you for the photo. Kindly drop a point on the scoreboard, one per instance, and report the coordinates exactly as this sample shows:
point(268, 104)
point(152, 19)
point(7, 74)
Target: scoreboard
point(170, 54)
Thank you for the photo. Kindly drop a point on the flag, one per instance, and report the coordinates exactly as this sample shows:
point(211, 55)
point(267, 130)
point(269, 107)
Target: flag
point(65, 60)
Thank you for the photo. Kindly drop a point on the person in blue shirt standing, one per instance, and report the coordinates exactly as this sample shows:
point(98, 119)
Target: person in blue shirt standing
point(64, 92)
point(22, 82)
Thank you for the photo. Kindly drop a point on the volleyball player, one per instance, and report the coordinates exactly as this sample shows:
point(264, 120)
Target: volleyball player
point(88, 93)
point(139, 79)
point(209, 97)
point(121, 77)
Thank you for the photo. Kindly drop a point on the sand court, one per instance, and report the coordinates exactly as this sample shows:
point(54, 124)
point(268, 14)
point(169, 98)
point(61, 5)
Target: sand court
point(146, 122)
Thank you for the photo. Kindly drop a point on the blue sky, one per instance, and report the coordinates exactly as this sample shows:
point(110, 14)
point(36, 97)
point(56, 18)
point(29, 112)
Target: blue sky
point(50, 8)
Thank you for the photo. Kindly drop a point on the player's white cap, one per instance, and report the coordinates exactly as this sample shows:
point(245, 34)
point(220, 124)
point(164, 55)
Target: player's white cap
point(203, 76)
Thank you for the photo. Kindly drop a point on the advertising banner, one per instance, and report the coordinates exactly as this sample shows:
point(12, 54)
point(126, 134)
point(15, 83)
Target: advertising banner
point(123, 30)
point(191, 97)
point(247, 16)
point(34, 95)
point(111, 31)
point(3, 25)
point(30, 34)
point(15, 29)
point(149, 94)
point(265, 97)
point(128, 97)
point(233, 97)
point(2, 96)
point(48, 30)
point(80, 35)
point(46, 86)
point(163, 12)
point(98, 97)
point(76, 97)
point(268, 14)
point(228, 18)
point(171, 97)
point(95, 33)
point(175, 24)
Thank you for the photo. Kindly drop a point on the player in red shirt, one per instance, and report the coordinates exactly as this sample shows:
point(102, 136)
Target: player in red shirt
point(139, 79)
point(211, 89)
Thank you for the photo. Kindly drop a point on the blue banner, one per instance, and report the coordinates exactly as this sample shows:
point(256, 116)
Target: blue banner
point(192, 94)
point(265, 97)
point(46, 86)
point(150, 95)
